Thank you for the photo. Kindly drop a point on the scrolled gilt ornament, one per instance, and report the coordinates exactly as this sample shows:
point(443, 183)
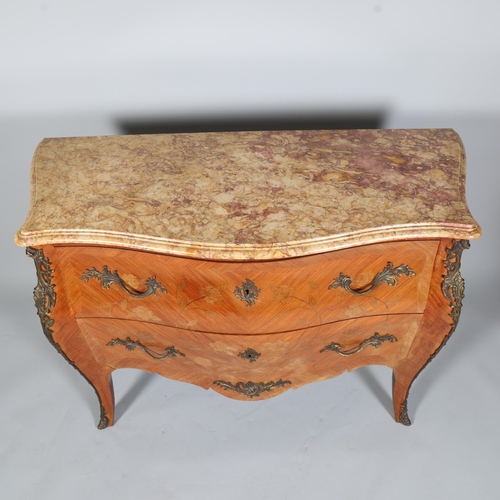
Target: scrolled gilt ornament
point(247, 292)
point(251, 389)
point(453, 285)
point(389, 275)
point(44, 294)
point(131, 345)
point(107, 278)
point(375, 340)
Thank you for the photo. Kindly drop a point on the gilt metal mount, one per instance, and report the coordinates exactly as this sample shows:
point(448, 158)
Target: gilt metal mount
point(388, 276)
point(247, 292)
point(249, 355)
point(375, 341)
point(453, 289)
point(44, 294)
point(251, 389)
point(45, 300)
point(107, 278)
point(131, 345)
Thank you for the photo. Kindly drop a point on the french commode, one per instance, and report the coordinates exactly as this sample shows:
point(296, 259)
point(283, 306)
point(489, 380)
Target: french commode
point(249, 263)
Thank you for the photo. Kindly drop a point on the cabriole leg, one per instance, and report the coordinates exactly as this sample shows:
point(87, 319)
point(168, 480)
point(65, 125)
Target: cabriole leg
point(440, 321)
point(65, 336)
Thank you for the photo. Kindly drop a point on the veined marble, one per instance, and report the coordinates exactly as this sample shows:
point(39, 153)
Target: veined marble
point(249, 195)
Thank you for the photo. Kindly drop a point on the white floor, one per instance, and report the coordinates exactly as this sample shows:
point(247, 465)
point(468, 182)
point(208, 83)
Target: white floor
point(335, 439)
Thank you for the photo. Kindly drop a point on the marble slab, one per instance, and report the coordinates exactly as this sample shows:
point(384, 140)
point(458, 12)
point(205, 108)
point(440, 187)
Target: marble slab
point(249, 195)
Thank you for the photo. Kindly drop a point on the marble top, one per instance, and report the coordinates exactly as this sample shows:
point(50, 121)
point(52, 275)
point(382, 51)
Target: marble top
point(249, 195)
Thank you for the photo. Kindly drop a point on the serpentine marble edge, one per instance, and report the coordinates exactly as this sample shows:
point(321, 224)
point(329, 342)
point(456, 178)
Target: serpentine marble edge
point(249, 195)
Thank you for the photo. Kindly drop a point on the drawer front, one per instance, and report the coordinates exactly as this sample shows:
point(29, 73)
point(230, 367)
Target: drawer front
point(251, 366)
point(250, 297)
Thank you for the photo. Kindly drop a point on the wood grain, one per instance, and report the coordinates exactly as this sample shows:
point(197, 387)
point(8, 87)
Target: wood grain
point(67, 335)
point(294, 293)
point(292, 352)
point(295, 356)
point(433, 332)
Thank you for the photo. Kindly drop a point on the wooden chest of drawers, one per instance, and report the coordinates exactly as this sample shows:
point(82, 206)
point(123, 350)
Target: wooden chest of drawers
point(249, 263)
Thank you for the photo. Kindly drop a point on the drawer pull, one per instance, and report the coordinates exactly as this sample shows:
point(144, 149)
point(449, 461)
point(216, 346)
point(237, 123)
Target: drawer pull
point(251, 389)
point(247, 292)
point(130, 345)
point(249, 355)
point(375, 341)
point(388, 276)
point(107, 278)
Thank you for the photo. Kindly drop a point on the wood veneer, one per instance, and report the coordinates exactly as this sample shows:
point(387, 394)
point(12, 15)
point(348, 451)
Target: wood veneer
point(288, 351)
point(294, 293)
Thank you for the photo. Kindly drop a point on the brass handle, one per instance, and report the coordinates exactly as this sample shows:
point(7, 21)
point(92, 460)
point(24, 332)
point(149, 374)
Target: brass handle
point(130, 345)
point(107, 278)
point(251, 389)
point(375, 341)
point(388, 276)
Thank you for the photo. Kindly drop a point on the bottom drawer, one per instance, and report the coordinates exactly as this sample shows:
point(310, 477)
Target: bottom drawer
point(251, 366)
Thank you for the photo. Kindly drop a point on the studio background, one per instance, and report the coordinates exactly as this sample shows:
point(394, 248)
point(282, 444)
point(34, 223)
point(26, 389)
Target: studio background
point(108, 67)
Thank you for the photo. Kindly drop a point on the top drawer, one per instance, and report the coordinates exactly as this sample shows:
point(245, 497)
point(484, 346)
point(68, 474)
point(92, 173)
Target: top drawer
point(248, 297)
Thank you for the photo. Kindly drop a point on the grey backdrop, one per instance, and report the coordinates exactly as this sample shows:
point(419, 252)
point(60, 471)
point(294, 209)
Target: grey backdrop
point(72, 68)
